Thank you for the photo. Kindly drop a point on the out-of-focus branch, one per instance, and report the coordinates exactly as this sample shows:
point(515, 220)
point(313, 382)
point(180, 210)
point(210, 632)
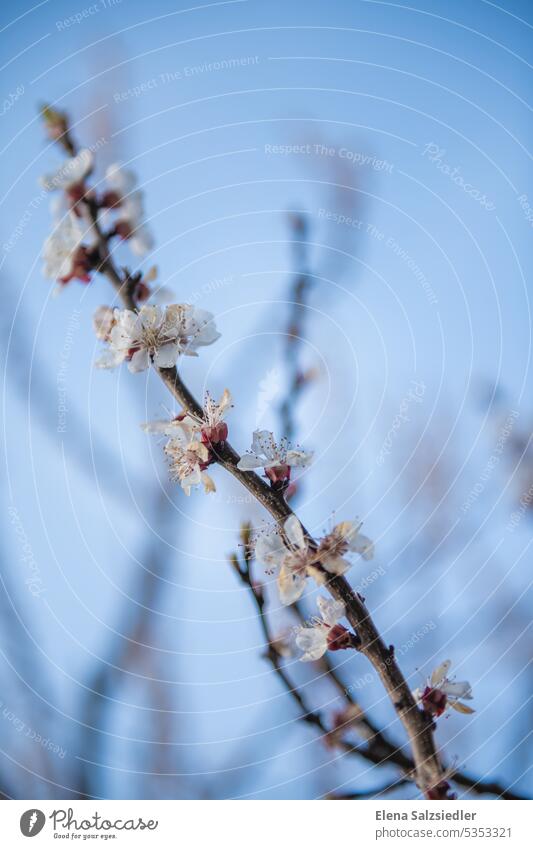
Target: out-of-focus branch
point(371, 794)
point(127, 645)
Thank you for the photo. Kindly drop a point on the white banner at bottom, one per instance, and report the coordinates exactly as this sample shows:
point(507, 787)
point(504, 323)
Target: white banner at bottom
point(260, 824)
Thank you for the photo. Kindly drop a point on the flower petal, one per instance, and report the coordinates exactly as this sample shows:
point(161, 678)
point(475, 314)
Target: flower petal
point(269, 549)
point(457, 689)
point(460, 708)
point(290, 584)
point(294, 531)
point(298, 458)
point(330, 610)
point(440, 673)
point(140, 361)
point(313, 642)
point(167, 355)
point(248, 462)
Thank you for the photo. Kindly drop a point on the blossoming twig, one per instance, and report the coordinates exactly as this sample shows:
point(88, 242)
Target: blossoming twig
point(430, 775)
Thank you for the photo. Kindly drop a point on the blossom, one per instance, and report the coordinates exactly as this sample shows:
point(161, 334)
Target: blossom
point(188, 460)
point(441, 691)
point(157, 335)
point(103, 322)
point(71, 175)
point(213, 429)
point(210, 426)
point(325, 632)
point(341, 540)
point(276, 459)
point(65, 257)
point(127, 201)
point(293, 561)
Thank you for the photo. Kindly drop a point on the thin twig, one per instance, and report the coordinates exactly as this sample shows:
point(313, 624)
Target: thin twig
point(418, 725)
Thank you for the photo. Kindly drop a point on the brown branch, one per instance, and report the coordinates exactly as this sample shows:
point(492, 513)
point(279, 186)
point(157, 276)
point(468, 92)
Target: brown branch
point(430, 775)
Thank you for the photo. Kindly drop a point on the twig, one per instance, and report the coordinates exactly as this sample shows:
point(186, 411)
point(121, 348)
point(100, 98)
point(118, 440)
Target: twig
point(419, 727)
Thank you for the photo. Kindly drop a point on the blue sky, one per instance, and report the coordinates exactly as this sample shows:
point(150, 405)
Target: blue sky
point(413, 124)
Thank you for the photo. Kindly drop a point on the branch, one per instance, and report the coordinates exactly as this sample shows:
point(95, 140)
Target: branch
point(430, 775)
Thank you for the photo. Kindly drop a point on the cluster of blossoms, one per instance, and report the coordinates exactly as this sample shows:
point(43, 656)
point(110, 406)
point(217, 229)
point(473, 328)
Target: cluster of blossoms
point(71, 251)
point(154, 335)
point(193, 442)
point(441, 692)
point(296, 560)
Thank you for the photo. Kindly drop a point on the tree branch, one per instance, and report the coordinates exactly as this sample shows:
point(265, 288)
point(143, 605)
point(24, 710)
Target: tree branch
point(430, 775)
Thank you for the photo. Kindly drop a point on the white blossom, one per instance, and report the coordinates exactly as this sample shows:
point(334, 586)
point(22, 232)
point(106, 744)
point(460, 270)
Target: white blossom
point(157, 335)
point(276, 459)
point(344, 538)
point(188, 460)
point(292, 561)
point(441, 691)
point(210, 425)
point(61, 247)
point(313, 641)
point(127, 202)
point(72, 173)
point(103, 322)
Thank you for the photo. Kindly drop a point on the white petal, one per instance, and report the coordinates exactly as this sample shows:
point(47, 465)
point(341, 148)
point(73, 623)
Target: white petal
point(298, 458)
point(73, 171)
point(440, 673)
point(460, 707)
point(294, 531)
point(120, 179)
point(262, 443)
point(167, 355)
point(108, 359)
point(208, 482)
point(348, 531)
point(457, 689)
point(224, 402)
point(312, 641)
point(142, 241)
point(269, 549)
point(290, 585)
point(336, 565)
point(165, 428)
point(150, 316)
point(248, 462)
point(140, 361)
point(330, 610)
point(363, 546)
